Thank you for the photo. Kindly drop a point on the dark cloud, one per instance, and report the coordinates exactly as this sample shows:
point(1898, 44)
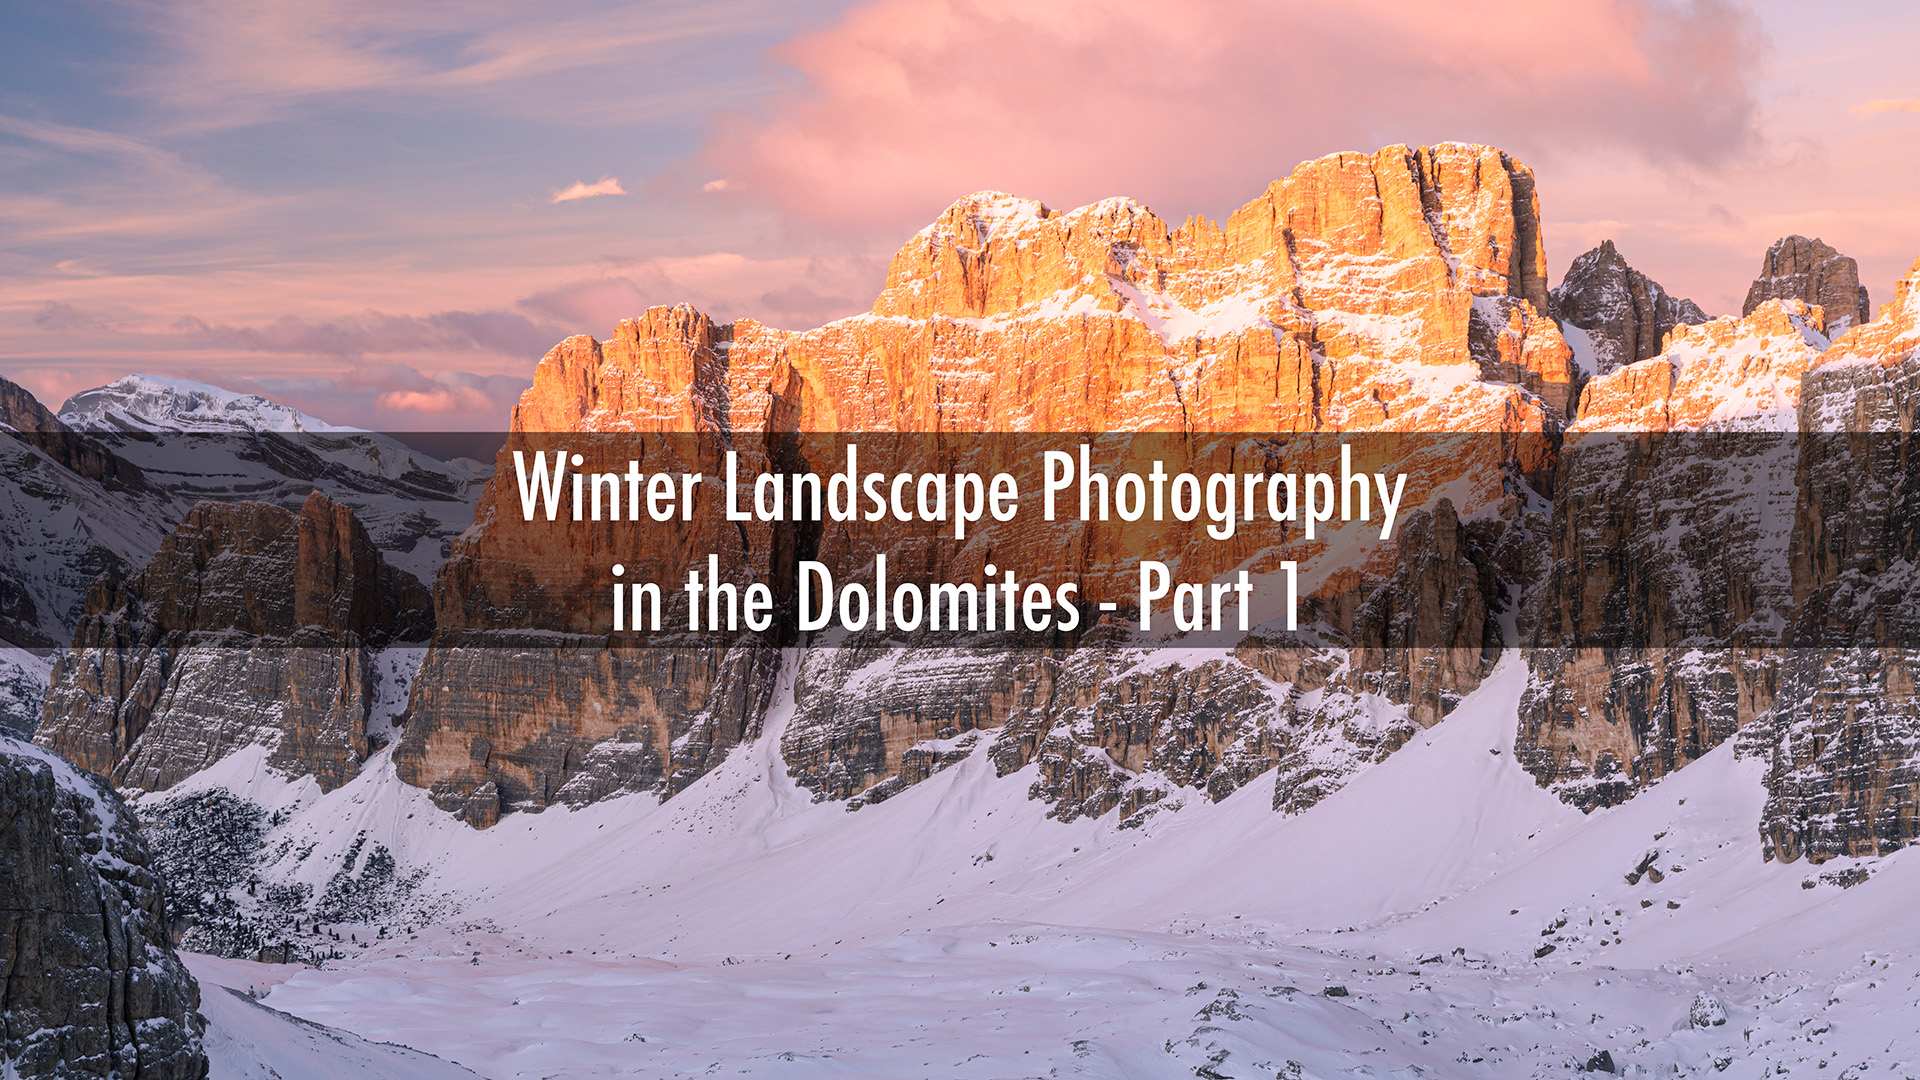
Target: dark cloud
point(61, 316)
point(375, 333)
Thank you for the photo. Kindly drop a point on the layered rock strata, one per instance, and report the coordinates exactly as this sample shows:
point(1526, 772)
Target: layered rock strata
point(1777, 532)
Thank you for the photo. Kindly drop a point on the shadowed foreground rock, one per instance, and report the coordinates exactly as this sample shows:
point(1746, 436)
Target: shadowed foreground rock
point(89, 986)
point(251, 625)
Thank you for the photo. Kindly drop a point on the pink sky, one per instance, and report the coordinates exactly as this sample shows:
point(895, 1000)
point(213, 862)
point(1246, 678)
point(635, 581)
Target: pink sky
point(385, 213)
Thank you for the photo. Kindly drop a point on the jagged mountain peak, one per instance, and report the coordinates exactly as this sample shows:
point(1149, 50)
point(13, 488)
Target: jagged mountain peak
point(972, 220)
point(1613, 315)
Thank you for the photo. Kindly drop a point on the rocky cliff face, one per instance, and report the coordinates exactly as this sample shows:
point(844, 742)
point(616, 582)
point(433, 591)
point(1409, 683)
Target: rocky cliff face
point(1613, 315)
point(1663, 540)
point(89, 983)
point(251, 624)
point(204, 443)
point(1666, 540)
point(94, 489)
point(1748, 573)
point(1398, 291)
point(1841, 741)
point(23, 413)
point(1796, 268)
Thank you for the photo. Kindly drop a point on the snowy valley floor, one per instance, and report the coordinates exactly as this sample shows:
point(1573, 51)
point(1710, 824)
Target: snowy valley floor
point(1399, 928)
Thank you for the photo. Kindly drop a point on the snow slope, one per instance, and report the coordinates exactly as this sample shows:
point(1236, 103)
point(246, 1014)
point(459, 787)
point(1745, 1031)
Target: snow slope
point(955, 931)
point(249, 1041)
point(23, 683)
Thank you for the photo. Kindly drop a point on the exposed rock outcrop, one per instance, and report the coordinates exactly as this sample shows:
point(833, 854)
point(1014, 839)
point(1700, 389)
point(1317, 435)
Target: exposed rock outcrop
point(251, 624)
point(1796, 268)
point(1842, 742)
point(206, 443)
point(89, 983)
point(1613, 315)
point(22, 412)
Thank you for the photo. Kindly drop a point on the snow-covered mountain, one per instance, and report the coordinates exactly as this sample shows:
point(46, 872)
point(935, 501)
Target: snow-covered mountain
point(93, 492)
point(96, 486)
point(70, 510)
point(203, 442)
point(157, 403)
point(1453, 838)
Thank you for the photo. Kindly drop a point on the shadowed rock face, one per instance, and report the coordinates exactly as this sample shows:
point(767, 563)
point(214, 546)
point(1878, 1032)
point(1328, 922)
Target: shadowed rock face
point(1658, 540)
point(1843, 739)
point(23, 413)
point(1623, 315)
point(251, 624)
point(1796, 268)
point(1794, 557)
point(89, 984)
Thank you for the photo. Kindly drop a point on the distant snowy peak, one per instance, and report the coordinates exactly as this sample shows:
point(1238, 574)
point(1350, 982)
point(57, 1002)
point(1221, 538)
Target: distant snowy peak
point(203, 442)
point(157, 403)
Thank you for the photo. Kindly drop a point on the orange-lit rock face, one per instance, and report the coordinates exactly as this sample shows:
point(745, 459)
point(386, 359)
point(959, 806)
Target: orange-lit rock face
point(1891, 337)
point(1363, 291)
point(1730, 374)
point(1397, 291)
point(1796, 268)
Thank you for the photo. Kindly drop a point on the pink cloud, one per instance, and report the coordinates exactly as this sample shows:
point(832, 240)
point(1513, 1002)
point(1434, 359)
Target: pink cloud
point(580, 189)
point(438, 401)
point(789, 292)
point(1886, 105)
point(905, 104)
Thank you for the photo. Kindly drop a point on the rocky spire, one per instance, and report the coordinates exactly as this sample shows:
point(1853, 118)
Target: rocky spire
point(1796, 268)
point(1623, 315)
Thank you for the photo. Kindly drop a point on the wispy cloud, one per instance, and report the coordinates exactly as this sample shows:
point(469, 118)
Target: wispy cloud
point(232, 62)
point(1886, 105)
point(62, 183)
point(580, 189)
